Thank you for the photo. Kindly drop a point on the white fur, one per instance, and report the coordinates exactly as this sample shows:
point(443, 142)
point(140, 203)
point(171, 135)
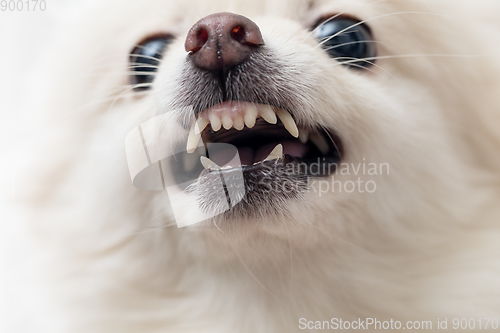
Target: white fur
point(423, 246)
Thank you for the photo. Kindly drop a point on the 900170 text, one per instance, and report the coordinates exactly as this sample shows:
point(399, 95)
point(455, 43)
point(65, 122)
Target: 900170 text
point(23, 5)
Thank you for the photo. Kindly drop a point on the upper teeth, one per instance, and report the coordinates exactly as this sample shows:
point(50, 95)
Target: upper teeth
point(268, 114)
point(251, 116)
point(193, 139)
point(288, 122)
point(238, 121)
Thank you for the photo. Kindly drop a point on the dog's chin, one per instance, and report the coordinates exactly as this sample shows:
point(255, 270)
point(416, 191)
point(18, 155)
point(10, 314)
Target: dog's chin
point(256, 197)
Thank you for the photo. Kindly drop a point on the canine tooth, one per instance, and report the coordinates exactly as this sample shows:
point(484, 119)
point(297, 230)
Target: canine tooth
point(320, 142)
point(190, 161)
point(215, 122)
point(268, 114)
point(193, 139)
point(251, 116)
point(276, 153)
point(201, 123)
point(227, 122)
point(304, 135)
point(208, 163)
point(238, 123)
point(288, 122)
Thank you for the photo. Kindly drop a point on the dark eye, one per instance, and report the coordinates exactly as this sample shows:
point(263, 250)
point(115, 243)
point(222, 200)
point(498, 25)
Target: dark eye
point(144, 61)
point(346, 40)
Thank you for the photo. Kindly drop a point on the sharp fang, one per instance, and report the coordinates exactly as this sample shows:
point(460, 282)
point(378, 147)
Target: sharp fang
point(208, 163)
point(276, 153)
point(193, 139)
point(268, 114)
point(190, 161)
point(320, 142)
point(201, 123)
point(227, 122)
point(215, 122)
point(304, 135)
point(288, 122)
point(251, 116)
point(238, 123)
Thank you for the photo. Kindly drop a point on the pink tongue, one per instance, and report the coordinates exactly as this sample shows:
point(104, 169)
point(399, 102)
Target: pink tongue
point(248, 157)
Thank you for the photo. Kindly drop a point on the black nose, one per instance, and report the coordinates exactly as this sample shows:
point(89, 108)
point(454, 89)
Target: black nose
point(222, 40)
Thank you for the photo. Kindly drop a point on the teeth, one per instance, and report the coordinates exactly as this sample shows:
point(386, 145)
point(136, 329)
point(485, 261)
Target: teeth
point(304, 135)
point(288, 122)
point(215, 122)
point(193, 139)
point(249, 119)
point(320, 142)
point(201, 123)
point(251, 116)
point(268, 114)
point(227, 122)
point(238, 123)
point(276, 153)
point(208, 163)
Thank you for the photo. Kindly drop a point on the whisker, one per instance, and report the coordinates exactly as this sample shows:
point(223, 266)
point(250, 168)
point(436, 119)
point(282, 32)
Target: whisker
point(333, 141)
point(111, 97)
point(291, 266)
point(131, 88)
point(331, 233)
point(352, 43)
point(353, 62)
point(145, 57)
point(252, 275)
point(136, 65)
point(375, 18)
point(139, 73)
point(154, 228)
point(326, 21)
point(338, 15)
point(423, 55)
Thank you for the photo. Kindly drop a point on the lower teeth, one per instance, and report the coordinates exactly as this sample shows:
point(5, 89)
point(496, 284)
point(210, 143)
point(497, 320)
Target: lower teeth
point(275, 154)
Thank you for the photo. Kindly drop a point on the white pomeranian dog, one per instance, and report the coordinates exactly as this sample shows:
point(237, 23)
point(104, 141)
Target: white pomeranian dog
point(265, 166)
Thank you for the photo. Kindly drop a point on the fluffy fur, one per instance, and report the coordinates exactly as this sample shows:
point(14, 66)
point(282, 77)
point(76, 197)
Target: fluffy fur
point(423, 246)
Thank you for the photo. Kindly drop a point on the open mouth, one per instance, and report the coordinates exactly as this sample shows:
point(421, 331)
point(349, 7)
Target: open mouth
point(263, 135)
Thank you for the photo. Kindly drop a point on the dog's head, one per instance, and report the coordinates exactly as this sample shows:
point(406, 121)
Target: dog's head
point(338, 110)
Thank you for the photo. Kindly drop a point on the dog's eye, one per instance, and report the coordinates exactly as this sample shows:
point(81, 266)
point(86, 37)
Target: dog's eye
point(144, 61)
point(347, 40)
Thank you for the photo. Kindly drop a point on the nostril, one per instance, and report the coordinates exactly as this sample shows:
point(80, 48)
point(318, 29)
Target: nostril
point(202, 37)
point(238, 34)
point(196, 40)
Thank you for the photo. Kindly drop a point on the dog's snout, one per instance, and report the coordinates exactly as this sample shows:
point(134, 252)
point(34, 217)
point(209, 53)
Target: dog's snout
point(222, 40)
